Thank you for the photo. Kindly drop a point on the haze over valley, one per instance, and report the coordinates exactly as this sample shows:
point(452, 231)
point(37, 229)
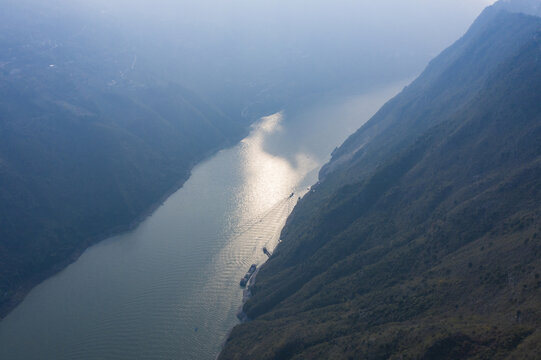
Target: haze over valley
point(377, 161)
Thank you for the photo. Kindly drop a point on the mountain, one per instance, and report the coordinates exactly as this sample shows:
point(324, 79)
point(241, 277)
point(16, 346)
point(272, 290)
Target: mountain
point(90, 140)
point(528, 7)
point(422, 239)
point(105, 106)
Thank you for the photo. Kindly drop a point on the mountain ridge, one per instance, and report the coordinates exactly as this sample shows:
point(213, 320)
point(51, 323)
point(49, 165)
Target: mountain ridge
point(528, 7)
point(430, 250)
point(90, 142)
point(495, 31)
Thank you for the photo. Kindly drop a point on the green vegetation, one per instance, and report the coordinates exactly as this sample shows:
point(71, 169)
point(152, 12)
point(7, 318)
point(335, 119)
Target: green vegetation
point(423, 238)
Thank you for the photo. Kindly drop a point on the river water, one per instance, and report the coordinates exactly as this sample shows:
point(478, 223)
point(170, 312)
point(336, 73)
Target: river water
point(170, 288)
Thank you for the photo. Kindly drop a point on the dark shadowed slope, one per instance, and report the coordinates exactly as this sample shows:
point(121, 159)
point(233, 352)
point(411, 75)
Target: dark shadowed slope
point(90, 140)
point(423, 239)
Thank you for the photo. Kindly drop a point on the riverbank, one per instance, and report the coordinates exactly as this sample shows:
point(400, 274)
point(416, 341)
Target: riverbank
point(30, 283)
point(246, 294)
point(347, 110)
point(178, 272)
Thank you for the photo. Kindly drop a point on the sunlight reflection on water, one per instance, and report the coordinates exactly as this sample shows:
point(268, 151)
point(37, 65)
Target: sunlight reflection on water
point(170, 288)
point(268, 178)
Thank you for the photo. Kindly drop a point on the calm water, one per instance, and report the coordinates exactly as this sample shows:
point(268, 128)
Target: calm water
point(169, 289)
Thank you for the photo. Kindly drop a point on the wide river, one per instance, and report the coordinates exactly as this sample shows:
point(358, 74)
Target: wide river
point(170, 288)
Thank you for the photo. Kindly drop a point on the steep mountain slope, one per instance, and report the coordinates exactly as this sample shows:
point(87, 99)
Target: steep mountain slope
point(529, 7)
point(90, 140)
point(449, 82)
point(422, 239)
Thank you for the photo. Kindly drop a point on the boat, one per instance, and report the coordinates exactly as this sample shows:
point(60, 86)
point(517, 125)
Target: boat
point(267, 252)
point(291, 195)
point(246, 278)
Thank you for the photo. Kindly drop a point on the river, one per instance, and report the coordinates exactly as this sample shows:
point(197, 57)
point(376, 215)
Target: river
point(170, 288)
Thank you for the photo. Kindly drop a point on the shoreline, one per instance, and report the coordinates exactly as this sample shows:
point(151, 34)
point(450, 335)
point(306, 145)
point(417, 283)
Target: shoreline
point(246, 295)
point(241, 315)
point(29, 284)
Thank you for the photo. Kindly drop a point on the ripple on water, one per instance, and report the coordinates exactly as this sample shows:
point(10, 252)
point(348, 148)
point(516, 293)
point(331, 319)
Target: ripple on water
point(169, 289)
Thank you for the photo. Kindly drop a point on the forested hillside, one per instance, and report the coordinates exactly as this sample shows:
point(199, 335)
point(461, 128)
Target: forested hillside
point(90, 140)
point(423, 238)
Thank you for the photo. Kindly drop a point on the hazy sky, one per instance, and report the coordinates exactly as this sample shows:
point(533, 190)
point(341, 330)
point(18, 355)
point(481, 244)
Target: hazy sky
point(249, 47)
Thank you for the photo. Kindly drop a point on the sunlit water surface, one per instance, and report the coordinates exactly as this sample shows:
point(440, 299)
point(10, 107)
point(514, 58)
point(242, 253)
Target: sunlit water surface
point(170, 288)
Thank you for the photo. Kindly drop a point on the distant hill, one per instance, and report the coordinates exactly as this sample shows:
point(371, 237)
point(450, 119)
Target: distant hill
point(528, 7)
point(422, 239)
point(90, 141)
